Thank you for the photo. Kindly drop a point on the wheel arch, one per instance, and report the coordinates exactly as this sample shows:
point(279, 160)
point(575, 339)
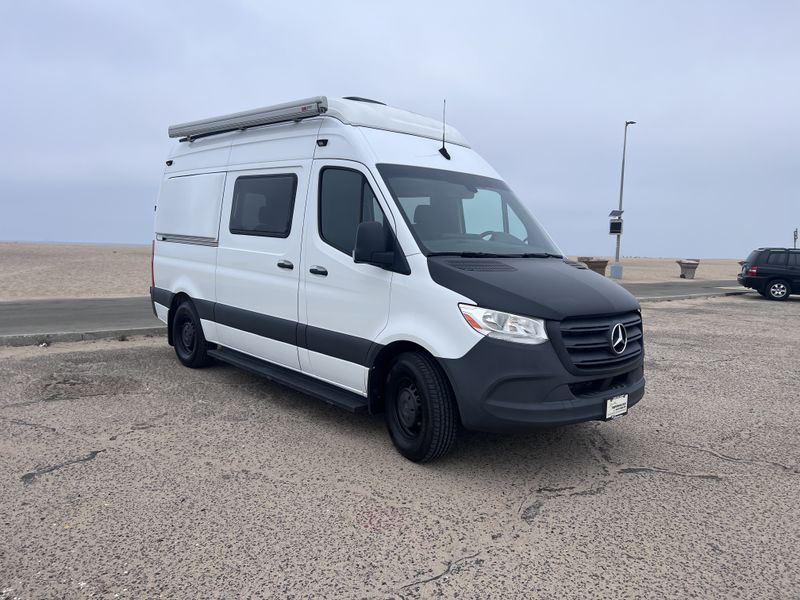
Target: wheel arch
point(177, 299)
point(382, 362)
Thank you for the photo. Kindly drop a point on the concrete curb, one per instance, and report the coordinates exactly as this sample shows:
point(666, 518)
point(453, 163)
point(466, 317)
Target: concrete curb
point(692, 296)
point(35, 339)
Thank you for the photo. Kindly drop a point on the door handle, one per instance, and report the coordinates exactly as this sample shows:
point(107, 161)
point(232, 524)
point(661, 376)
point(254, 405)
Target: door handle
point(285, 264)
point(317, 270)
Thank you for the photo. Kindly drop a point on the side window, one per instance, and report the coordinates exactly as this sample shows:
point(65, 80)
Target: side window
point(776, 258)
point(794, 259)
point(263, 205)
point(345, 200)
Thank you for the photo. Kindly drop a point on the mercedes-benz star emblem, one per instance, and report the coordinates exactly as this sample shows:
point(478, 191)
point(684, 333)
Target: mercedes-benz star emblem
point(619, 338)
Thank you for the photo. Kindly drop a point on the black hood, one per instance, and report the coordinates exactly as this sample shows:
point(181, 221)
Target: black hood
point(549, 288)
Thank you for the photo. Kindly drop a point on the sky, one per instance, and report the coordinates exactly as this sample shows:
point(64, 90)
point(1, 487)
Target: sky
point(540, 89)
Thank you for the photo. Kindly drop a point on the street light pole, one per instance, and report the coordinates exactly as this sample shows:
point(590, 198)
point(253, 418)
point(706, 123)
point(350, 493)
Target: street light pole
point(616, 268)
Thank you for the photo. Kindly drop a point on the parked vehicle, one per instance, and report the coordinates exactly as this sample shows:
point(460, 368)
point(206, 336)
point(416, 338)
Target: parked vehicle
point(772, 272)
point(333, 246)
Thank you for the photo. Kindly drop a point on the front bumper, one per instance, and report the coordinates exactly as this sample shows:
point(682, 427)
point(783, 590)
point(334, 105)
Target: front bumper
point(502, 386)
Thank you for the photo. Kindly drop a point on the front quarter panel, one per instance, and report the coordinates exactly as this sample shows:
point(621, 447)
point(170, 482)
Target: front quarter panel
point(427, 314)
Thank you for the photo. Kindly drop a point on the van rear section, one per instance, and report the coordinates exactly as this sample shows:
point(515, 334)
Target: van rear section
point(331, 246)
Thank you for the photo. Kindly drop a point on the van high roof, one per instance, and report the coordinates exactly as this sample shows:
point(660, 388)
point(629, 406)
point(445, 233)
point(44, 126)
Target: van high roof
point(358, 112)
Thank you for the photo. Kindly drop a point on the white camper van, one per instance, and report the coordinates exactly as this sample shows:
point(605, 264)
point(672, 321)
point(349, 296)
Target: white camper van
point(343, 248)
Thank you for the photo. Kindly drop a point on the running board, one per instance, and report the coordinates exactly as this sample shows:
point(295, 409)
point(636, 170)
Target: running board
point(331, 394)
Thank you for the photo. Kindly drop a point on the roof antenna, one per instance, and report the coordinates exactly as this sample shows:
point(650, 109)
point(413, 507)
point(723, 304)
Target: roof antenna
point(443, 151)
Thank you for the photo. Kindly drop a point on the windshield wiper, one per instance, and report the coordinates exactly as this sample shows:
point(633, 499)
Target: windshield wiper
point(494, 255)
point(471, 254)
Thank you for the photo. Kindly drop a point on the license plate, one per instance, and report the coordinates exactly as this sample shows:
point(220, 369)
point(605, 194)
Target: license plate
point(616, 406)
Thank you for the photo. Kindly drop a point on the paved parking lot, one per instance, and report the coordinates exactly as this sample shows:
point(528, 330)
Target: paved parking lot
point(126, 475)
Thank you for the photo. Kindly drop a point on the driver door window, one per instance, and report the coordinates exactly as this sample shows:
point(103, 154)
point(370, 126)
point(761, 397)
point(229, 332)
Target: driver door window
point(345, 200)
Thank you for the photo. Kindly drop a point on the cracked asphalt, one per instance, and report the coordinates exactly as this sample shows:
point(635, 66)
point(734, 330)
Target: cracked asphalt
point(127, 475)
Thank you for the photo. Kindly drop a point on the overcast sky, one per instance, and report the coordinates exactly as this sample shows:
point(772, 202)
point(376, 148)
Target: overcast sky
point(541, 90)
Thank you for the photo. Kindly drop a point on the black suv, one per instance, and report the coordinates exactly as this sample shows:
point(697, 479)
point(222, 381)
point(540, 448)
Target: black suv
point(772, 272)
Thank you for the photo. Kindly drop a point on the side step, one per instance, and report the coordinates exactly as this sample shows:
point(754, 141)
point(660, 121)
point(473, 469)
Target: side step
point(302, 383)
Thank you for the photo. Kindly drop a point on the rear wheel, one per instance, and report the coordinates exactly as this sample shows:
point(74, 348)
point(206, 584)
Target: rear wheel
point(420, 408)
point(187, 335)
point(777, 289)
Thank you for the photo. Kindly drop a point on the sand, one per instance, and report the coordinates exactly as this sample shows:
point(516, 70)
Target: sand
point(32, 271)
point(654, 270)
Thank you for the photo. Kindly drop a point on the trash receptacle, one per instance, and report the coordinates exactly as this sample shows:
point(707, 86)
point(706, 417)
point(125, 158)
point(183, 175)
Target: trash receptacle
point(598, 265)
point(688, 268)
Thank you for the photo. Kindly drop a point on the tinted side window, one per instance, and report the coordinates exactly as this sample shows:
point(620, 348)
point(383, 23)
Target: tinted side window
point(794, 259)
point(776, 258)
point(263, 205)
point(345, 200)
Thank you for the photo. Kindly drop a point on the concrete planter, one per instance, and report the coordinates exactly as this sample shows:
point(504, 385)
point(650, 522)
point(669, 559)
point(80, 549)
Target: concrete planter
point(688, 267)
point(598, 265)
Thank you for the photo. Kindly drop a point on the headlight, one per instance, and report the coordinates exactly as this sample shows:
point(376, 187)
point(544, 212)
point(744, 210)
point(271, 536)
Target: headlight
point(504, 326)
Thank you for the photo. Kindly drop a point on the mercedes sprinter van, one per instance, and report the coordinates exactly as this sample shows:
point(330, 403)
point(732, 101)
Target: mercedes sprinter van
point(367, 256)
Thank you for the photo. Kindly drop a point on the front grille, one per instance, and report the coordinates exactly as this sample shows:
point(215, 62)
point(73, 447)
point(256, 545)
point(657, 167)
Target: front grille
point(585, 342)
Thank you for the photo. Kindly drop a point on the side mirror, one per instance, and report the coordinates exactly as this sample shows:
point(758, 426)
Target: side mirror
point(373, 245)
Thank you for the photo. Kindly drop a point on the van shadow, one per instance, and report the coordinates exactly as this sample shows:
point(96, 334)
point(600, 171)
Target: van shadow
point(574, 450)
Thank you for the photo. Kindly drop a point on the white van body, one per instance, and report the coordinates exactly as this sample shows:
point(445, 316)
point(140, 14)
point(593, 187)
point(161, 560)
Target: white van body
point(292, 306)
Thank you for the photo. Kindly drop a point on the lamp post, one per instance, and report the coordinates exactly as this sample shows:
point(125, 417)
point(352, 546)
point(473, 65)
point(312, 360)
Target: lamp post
point(616, 268)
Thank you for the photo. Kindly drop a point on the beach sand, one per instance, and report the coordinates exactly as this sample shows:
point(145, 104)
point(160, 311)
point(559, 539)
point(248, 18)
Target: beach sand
point(654, 270)
point(30, 271)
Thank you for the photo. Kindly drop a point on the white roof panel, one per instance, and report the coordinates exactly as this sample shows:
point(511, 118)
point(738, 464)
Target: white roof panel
point(388, 118)
point(358, 113)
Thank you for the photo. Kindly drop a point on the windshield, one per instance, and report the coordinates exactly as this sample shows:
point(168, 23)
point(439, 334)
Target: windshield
point(460, 213)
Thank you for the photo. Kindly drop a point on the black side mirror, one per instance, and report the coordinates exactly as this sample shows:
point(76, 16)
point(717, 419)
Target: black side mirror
point(373, 245)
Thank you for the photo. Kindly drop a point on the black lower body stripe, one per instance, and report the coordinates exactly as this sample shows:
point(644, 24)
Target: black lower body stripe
point(331, 343)
point(266, 326)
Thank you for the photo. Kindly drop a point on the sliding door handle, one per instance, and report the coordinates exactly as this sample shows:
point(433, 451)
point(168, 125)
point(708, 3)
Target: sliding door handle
point(285, 264)
point(317, 270)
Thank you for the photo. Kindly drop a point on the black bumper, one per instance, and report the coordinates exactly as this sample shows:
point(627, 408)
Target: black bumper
point(754, 283)
point(503, 386)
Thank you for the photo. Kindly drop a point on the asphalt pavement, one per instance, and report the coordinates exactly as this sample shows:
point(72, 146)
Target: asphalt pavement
point(126, 475)
point(25, 322)
point(32, 321)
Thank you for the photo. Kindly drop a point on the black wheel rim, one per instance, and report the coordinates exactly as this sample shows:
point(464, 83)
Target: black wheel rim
point(187, 337)
point(408, 408)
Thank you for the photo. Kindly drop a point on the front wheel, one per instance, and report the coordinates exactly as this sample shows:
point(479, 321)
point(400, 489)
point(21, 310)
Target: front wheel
point(777, 289)
point(420, 408)
point(187, 335)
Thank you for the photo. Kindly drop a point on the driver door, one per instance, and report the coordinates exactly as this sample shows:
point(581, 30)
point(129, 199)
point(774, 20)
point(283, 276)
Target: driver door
point(344, 305)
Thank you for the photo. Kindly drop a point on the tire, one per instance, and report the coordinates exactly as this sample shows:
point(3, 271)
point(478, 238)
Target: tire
point(420, 408)
point(187, 335)
point(778, 289)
